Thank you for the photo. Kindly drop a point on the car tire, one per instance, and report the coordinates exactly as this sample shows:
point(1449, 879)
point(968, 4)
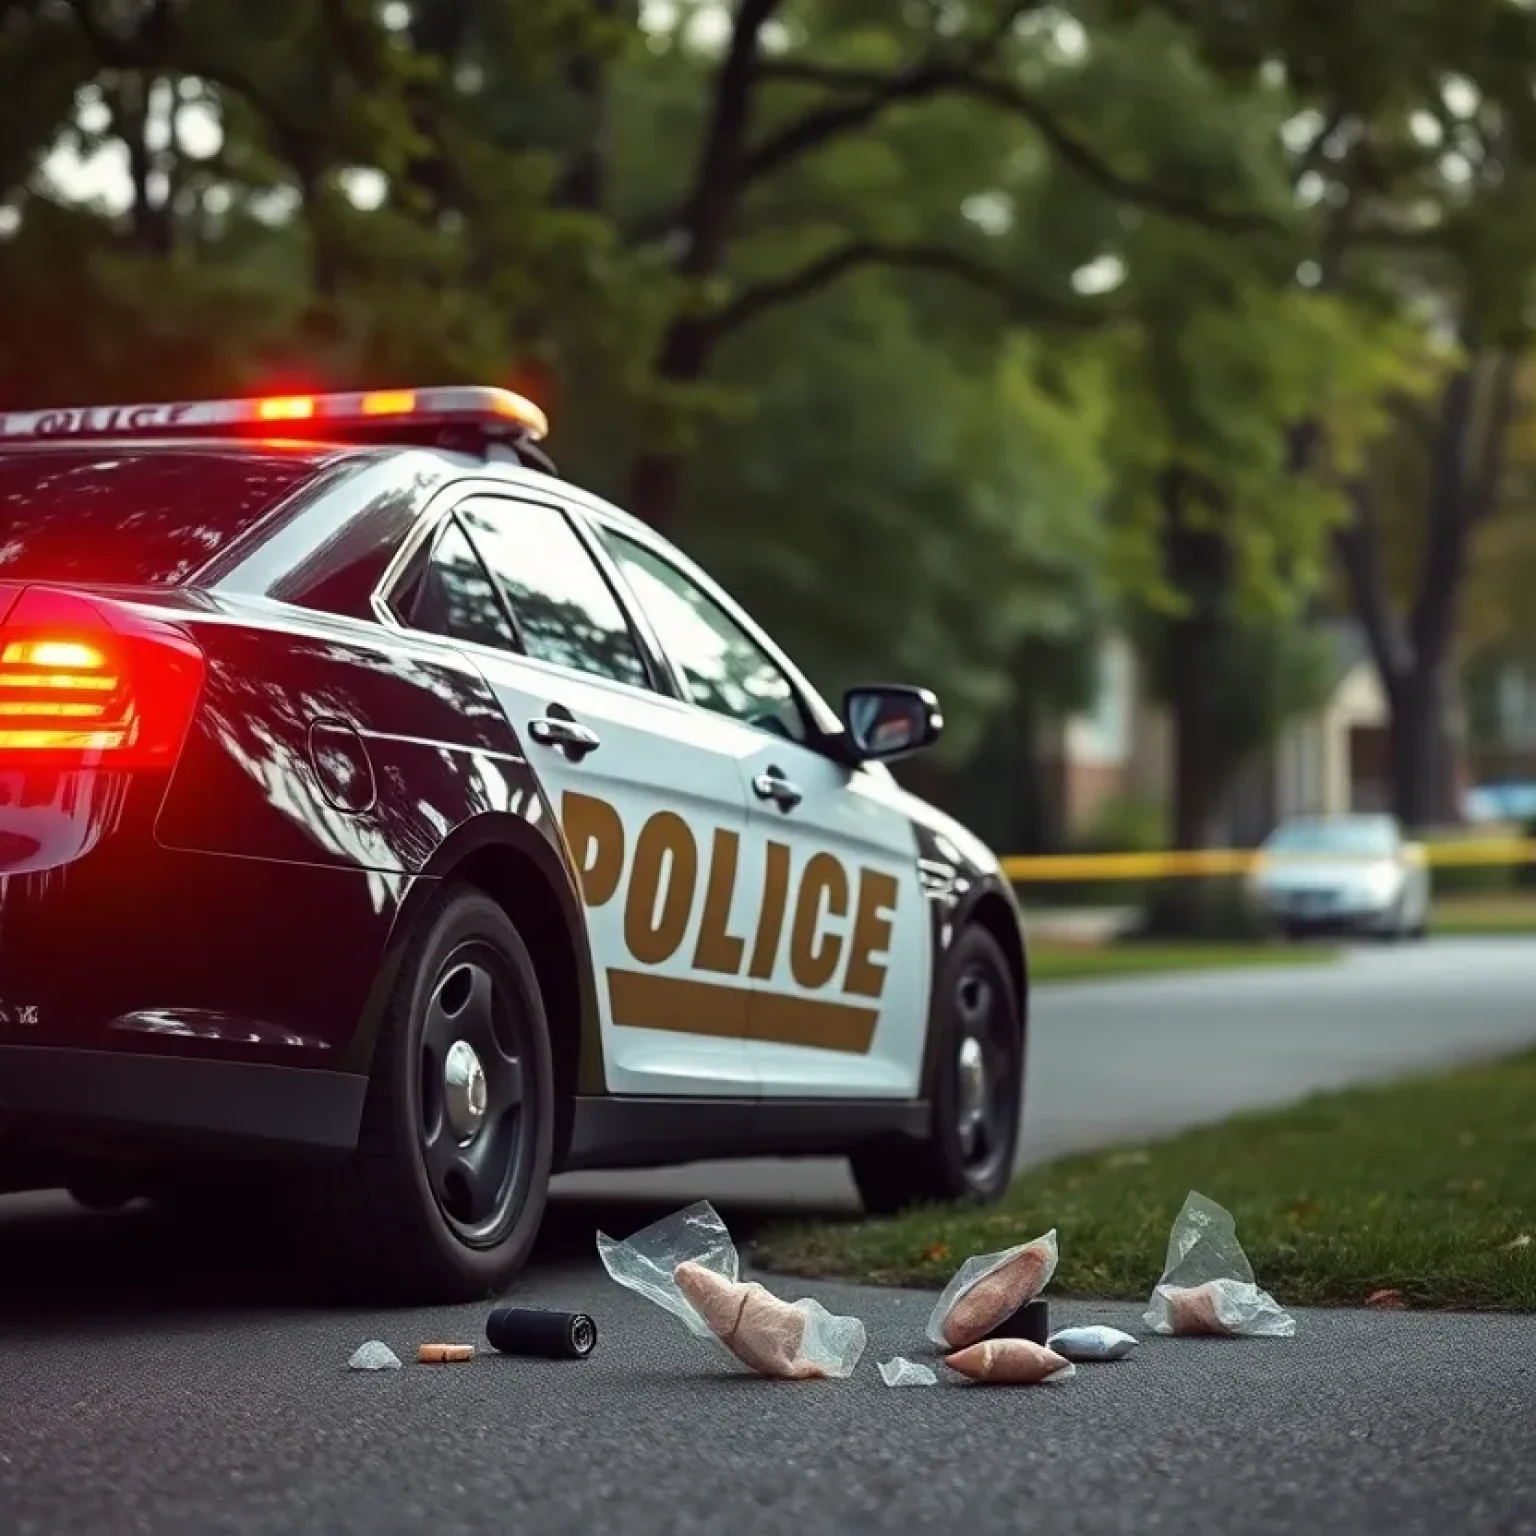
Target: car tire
point(977, 1091)
point(419, 1214)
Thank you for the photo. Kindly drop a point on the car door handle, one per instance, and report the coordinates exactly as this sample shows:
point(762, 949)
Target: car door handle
point(576, 741)
point(774, 786)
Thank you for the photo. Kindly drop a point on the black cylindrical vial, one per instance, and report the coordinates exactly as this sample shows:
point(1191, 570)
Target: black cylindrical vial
point(1032, 1321)
point(549, 1335)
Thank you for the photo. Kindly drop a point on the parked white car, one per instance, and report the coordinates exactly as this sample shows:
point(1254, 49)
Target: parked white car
point(1343, 874)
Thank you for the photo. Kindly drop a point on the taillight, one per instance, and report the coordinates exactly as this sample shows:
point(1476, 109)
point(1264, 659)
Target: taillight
point(86, 682)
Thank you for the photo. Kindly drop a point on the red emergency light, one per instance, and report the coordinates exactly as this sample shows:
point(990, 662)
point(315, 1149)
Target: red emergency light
point(367, 415)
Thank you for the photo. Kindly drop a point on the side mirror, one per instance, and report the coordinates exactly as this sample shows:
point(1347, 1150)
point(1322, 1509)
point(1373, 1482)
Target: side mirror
point(886, 721)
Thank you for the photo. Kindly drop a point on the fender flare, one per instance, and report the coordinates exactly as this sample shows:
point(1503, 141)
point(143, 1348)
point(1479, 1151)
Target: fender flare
point(983, 903)
point(491, 832)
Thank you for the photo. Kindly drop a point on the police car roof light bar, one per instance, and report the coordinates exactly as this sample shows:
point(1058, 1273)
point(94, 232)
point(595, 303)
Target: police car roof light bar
point(373, 415)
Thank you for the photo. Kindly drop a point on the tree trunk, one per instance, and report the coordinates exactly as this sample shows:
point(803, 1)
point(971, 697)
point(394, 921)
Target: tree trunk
point(584, 184)
point(149, 216)
point(1423, 750)
point(1198, 564)
point(655, 489)
point(656, 476)
point(1416, 656)
point(1199, 782)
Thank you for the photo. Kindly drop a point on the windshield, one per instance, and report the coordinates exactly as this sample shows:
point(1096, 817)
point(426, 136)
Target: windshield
point(1368, 836)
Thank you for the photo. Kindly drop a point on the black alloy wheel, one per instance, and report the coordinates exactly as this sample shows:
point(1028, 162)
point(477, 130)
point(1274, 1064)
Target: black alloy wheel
point(443, 1198)
point(478, 1142)
point(987, 1074)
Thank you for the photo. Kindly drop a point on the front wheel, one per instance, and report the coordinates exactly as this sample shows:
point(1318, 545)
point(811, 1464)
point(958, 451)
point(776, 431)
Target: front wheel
point(442, 1200)
point(978, 1091)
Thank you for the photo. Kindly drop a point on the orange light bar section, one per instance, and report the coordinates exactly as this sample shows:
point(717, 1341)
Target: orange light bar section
point(520, 409)
point(389, 402)
point(287, 408)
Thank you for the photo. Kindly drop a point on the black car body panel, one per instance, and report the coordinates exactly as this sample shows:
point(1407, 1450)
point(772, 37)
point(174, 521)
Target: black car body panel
point(963, 887)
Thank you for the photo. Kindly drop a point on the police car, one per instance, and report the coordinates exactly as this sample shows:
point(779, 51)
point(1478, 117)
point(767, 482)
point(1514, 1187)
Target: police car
point(383, 817)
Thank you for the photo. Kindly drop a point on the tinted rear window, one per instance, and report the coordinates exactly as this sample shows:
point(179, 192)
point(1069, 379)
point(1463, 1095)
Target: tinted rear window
point(133, 517)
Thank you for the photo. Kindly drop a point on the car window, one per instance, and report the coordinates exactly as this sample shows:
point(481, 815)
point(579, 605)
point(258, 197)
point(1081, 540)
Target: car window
point(566, 613)
point(724, 669)
point(137, 515)
point(452, 594)
point(1362, 837)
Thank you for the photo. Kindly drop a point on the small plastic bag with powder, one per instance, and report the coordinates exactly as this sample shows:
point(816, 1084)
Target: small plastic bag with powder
point(1012, 1362)
point(375, 1355)
point(990, 1288)
point(687, 1264)
point(902, 1372)
point(1092, 1343)
point(1208, 1286)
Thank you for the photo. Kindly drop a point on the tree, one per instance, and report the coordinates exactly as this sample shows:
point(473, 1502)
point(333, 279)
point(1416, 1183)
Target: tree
point(837, 74)
point(1216, 347)
point(349, 166)
point(1457, 462)
point(888, 509)
point(1412, 152)
point(866, 280)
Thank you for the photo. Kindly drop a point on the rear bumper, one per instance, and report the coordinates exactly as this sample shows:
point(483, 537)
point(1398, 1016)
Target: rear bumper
point(80, 1100)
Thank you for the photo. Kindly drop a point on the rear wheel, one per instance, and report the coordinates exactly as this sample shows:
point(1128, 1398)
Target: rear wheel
point(443, 1198)
point(978, 1091)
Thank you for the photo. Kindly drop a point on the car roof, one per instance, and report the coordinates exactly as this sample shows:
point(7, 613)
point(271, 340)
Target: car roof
point(324, 455)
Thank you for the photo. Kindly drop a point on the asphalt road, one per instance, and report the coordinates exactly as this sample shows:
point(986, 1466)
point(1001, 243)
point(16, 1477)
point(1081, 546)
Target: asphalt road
point(130, 1413)
point(155, 1379)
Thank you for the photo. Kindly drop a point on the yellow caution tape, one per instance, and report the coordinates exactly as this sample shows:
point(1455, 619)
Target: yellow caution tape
point(1026, 868)
point(1129, 866)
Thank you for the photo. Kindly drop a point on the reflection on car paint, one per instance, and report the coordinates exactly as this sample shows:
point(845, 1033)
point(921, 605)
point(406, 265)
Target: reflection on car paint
point(48, 821)
point(209, 1024)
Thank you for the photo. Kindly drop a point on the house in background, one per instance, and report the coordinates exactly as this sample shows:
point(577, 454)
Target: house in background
point(1505, 752)
point(1116, 749)
point(1331, 761)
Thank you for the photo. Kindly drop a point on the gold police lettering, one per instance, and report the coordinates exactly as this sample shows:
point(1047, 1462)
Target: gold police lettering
point(839, 925)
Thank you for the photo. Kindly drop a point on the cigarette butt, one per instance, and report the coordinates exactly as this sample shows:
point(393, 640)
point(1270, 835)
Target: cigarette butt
point(445, 1354)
